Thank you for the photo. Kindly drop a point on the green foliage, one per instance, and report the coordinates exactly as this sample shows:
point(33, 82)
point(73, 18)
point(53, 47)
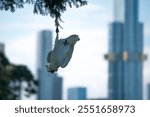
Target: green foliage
point(54, 8)
point(11, 4)
point(11, 79)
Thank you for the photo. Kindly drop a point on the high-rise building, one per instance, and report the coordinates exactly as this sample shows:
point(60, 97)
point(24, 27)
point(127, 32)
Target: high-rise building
point(126, 52)
point(55, 90)
point(1, 47)
point(148, 88)
point(77, 93)
point(50, 85)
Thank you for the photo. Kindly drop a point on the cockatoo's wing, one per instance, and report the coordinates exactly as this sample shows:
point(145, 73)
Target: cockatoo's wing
point(60, 51)
point(68, 55)
point(51, 66)
point(49, 57)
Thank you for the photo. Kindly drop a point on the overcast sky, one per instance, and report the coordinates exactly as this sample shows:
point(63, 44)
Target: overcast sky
point(87, 67)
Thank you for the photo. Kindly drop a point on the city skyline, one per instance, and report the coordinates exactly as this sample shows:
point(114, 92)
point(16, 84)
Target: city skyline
point(88, 55)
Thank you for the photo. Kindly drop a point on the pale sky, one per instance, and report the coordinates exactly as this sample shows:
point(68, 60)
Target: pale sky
point(87, 67)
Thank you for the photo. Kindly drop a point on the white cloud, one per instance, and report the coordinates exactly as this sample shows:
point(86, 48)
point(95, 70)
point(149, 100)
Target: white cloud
point(91, 7)
point(22, 26)
point(34, 25)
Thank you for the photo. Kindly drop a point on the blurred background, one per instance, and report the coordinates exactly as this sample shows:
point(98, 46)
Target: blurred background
point(27, 38)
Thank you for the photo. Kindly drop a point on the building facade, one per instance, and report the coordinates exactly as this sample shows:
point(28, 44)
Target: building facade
point(126, 52)
point(49, 84)
point(55, 91)
point(148, 90)
point(77, 93)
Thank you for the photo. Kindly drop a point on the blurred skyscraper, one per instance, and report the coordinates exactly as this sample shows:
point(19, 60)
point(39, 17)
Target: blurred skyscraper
point(148, 89)
point(50, 85)
point(2, 47)
point(77, 93)
point(126, 52)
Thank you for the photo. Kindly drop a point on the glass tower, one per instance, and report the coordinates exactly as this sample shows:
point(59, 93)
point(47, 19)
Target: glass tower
point(126, 52)
point(148, 89)
point(77, 93)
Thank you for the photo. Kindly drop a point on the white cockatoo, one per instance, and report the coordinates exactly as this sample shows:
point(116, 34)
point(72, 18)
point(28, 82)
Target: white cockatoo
point(62, 53)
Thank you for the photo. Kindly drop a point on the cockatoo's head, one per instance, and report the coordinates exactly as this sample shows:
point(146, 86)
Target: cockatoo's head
point(51, 67)
point(71, 40)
